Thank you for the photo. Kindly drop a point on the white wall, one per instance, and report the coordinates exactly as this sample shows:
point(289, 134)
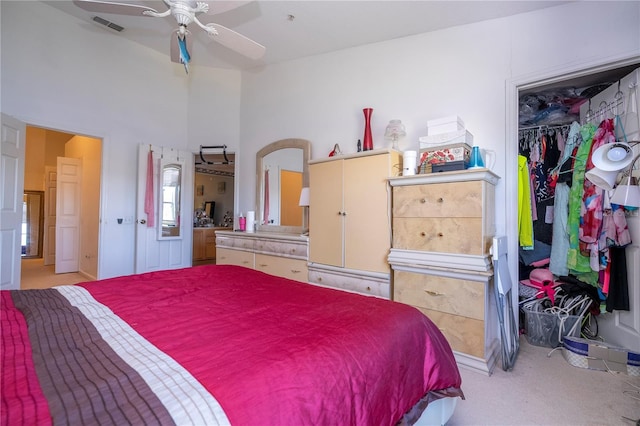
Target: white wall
point(62, 73)
point(464, 71)
point(69, 75)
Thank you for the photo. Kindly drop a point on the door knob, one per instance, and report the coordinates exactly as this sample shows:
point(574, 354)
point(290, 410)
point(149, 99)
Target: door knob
point(142, 221)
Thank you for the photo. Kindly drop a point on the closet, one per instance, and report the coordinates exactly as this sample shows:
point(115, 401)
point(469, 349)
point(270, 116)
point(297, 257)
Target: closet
point(554, 122)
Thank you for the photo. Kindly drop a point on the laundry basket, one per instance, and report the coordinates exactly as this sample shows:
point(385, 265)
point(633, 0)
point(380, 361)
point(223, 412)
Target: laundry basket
point(549, 329)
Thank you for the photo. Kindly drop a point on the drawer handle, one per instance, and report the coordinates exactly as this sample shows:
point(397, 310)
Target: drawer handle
point(319, 279)
point(433, 293)
point(422, 200)
point(441, 200)
point(245, 262)
point(440, 234)
point(423, 234)
point(368, 288)
point(295, 271)
point(263, 265)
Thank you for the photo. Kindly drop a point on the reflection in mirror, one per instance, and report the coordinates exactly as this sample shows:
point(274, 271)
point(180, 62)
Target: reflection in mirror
point(281, 173)
point(213, 203)
point(170, 180)
point(32, 223)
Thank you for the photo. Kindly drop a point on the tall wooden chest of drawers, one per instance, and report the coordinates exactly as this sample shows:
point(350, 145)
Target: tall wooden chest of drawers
point(443, 228)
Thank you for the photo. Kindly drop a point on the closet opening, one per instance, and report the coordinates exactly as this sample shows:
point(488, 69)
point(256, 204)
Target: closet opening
point(554, 118)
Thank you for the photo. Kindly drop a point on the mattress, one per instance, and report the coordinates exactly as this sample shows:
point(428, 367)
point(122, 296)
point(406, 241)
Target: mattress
point(217, 344)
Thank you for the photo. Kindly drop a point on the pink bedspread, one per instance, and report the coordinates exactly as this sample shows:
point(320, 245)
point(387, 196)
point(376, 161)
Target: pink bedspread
point(270, 350)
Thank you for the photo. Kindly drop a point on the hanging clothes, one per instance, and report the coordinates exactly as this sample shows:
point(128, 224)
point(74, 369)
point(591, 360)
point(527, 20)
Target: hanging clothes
point(577, 263)
point(525, 221)
point(618, 297)
point(560, 240)
point(591, 209)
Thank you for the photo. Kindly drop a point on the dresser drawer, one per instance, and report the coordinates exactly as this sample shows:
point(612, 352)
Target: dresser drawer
point(230, 242)
point(432, 292)
point(464, 334)
point(346, 281)
point(284, 267)
point(234, 257)
point(447, 235)
point(454, 199)
point(282, 248)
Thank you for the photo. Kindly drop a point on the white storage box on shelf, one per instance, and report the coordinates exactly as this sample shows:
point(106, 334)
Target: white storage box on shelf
point(444, 139)
point(444, 125)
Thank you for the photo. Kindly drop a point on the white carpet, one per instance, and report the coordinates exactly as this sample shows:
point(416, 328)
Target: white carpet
point(545, 390)
point(34, 274)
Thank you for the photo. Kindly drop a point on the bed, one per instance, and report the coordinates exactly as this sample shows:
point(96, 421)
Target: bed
point(217, 344)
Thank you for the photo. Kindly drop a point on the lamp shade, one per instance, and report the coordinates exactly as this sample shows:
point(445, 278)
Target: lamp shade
point(626, 195)
point(602, 178)
point(395, 129)
point(304, 197)
point(612, 156)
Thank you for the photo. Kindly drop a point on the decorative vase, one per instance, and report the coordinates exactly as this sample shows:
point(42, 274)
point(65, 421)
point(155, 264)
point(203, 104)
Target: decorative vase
point(367, 142)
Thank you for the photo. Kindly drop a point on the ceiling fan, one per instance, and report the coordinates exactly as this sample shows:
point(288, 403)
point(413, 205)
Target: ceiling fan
point(185, 12)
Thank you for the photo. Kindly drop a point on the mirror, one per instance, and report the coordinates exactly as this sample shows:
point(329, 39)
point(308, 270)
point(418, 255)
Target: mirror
point(214, 198)
point(32, 223)
point(170, 186)
point(281, 172)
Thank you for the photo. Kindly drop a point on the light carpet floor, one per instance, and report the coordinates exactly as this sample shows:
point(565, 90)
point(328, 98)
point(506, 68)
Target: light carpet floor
point(547, 390)
point(34, 274)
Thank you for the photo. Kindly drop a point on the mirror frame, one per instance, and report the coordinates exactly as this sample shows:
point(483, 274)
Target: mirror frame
point(305, 146)
point(161, 229)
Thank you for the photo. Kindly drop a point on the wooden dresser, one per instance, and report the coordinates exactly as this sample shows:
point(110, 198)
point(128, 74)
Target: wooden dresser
point(443, 227)
point(204, 244)
point(349, 226)
point(284, 255)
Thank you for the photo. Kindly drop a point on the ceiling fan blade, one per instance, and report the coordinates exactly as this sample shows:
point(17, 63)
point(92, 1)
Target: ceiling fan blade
point(110, 7)
point(237, 42)
point(221, 6)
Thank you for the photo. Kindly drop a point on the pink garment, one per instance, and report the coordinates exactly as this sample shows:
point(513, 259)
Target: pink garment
point(591, 210)
point(266, 197)
point(149, 205)
point(532, 192)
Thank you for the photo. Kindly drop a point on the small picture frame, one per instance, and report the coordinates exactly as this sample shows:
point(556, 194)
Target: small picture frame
point(222, 187)
point(200, 190)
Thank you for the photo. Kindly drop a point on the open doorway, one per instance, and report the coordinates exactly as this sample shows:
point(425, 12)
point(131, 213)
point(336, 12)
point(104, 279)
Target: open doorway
point(551, 121)
point(42, 149)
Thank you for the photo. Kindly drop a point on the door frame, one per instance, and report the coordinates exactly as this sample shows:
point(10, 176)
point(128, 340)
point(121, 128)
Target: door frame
point(57, 127)
point(513, 87)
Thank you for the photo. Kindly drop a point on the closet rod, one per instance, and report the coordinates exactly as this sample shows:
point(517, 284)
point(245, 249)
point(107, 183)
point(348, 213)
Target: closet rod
point(544, 126)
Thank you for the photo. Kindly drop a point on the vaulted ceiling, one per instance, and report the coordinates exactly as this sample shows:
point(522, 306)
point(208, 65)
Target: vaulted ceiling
point(295, 29)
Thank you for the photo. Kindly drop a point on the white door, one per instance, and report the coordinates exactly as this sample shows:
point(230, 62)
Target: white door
point(49, 246)
point(622, 328)
point(12, 148)
point(69, 177)
point(152, 253)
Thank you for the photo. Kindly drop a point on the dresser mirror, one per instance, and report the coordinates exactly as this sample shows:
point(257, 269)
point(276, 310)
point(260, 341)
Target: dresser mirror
point(281, 173)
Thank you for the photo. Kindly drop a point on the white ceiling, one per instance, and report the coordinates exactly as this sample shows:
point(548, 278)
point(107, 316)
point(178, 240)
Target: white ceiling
point(317, 27)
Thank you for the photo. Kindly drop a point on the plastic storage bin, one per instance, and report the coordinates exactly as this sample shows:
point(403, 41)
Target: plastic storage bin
point(548, 329)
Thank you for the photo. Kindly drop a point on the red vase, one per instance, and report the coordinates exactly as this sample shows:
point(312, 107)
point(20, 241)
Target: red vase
point(367, 142)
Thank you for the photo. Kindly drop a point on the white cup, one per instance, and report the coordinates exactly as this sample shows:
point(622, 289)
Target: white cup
point(409, 159)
